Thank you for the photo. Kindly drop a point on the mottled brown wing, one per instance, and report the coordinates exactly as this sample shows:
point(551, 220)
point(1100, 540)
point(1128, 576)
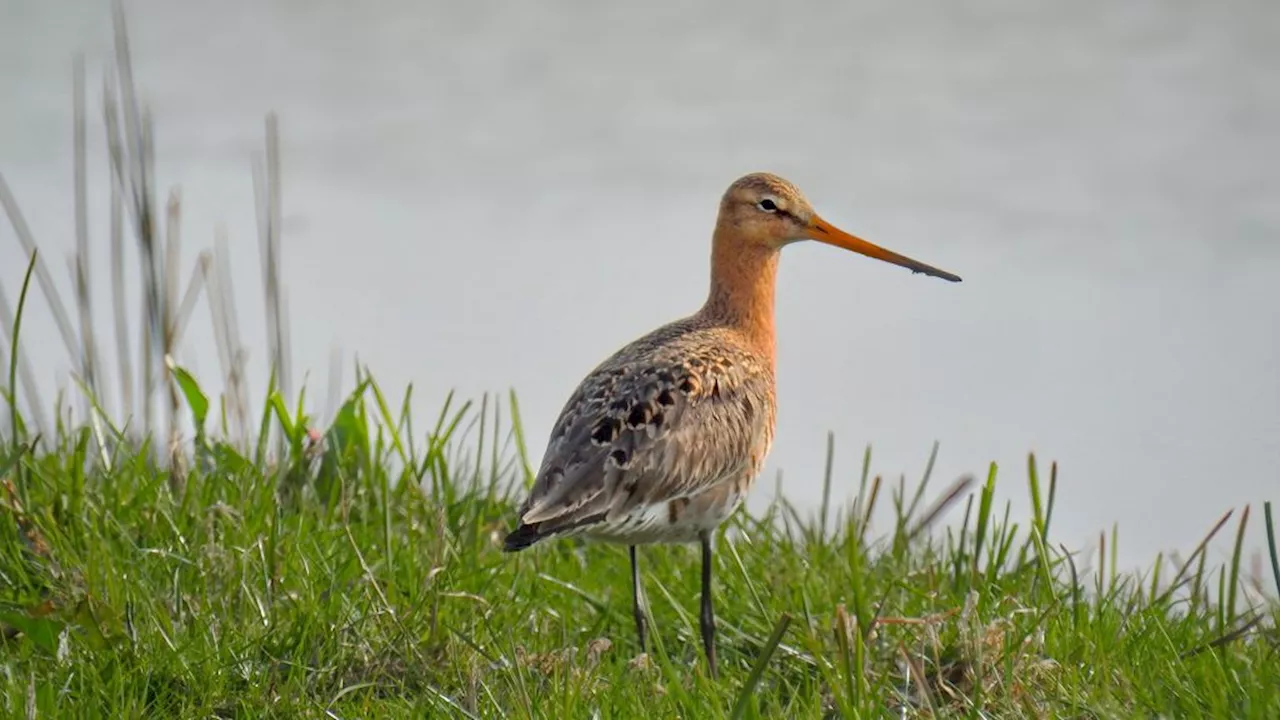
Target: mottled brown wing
point(657, 427)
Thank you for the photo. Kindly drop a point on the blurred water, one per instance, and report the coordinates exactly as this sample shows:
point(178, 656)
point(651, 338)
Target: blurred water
point(482, 196)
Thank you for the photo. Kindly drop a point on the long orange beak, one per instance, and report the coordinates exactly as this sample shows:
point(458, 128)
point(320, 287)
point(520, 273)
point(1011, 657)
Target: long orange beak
point(823, 231)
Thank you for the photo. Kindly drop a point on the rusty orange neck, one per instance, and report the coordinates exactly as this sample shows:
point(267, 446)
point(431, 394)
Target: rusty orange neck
point(743, 278)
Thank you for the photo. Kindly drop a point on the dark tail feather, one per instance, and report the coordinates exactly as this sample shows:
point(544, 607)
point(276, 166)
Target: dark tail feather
point(528, 534)
point(521, 538)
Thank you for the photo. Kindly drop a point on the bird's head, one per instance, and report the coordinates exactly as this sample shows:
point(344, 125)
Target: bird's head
point(764, 209)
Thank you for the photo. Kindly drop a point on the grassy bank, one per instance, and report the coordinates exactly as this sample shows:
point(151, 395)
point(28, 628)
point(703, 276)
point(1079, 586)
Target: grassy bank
point(361, 576)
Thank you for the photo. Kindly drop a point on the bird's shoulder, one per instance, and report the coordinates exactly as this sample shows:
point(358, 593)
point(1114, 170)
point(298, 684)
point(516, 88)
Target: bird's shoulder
point(677, 365)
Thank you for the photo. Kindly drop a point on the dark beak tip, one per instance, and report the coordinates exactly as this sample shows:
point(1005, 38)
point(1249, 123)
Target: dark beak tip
point(941, 274)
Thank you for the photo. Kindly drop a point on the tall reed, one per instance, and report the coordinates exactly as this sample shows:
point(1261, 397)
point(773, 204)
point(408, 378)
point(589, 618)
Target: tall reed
point(146, 399)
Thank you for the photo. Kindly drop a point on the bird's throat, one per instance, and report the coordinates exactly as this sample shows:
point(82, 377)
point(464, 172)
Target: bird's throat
point(743, 278)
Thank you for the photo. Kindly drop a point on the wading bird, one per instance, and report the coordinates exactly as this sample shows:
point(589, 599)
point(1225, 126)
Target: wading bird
point(663, 440)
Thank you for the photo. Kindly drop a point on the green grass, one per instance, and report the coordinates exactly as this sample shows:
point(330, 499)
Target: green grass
point(362, 577)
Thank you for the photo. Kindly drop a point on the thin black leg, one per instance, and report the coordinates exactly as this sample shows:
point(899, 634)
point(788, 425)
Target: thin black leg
point(638, 603)
point(708, 615)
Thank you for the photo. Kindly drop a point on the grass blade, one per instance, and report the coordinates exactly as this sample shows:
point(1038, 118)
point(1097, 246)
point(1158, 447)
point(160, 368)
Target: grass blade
point(196, 399)
point(826, 488)
point(43, 276)
point(1271, 545)
point(26, 377)
point(984, 518)
point(1236, 556)
point(13, 356)
point(757, 670)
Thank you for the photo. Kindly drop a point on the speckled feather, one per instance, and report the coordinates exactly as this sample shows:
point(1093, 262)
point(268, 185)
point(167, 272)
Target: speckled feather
point(660, 441)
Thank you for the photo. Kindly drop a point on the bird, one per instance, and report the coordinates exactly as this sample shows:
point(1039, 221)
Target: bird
point(663, 440)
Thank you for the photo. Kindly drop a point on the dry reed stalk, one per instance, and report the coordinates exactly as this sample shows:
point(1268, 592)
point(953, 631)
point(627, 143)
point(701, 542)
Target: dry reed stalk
point(166, 309)
point(89, 361)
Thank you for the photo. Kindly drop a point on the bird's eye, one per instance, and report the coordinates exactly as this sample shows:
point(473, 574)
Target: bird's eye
point(767, 205)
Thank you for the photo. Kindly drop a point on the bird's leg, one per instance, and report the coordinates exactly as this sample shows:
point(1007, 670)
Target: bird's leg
point(708, 615)
point(638, 602)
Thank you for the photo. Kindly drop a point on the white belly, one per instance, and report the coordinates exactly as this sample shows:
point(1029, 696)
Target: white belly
point(659, 523)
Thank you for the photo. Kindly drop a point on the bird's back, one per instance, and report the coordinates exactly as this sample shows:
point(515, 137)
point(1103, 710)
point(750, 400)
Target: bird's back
point(659, 441)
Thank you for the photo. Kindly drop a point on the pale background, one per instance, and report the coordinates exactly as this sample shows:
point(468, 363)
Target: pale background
point(484, 195)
